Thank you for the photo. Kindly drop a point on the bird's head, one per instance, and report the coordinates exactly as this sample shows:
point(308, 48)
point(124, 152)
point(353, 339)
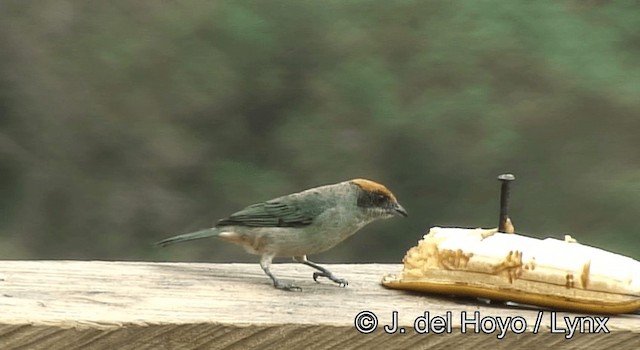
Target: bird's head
point(376, 199)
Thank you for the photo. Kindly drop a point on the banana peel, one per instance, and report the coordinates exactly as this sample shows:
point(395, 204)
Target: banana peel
point(552, 273)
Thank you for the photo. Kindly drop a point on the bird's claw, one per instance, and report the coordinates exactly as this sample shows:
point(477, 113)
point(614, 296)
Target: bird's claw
point(340, 281)
point(287, 286)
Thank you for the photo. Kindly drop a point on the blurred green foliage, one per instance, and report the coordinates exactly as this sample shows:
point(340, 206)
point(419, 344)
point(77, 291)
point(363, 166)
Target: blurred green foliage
point(124, 122)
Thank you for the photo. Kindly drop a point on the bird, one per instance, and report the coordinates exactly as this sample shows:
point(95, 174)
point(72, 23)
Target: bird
point(303, 223)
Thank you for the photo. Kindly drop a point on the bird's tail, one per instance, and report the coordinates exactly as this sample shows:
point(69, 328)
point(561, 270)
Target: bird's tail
point(208, 232)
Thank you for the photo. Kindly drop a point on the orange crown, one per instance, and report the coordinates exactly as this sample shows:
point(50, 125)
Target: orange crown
point(373, 186)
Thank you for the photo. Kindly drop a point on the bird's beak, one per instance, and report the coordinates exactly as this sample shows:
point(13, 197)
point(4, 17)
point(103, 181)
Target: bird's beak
point(398, 209)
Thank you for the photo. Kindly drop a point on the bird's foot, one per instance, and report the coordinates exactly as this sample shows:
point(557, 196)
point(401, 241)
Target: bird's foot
point(286, 286)
point(340, 281)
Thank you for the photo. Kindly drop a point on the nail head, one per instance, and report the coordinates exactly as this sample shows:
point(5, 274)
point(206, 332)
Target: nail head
point(506, 177)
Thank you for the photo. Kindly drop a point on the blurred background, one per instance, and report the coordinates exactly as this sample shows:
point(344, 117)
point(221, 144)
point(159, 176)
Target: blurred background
point(125, 122)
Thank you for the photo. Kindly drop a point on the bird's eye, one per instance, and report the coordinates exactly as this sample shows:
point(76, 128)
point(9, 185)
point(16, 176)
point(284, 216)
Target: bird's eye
point(380, 198)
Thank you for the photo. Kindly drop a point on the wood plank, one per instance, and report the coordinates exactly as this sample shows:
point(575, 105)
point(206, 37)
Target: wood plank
point(143, 305)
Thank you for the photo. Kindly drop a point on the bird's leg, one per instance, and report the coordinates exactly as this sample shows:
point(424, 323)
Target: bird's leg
point(323, 272)
point(265, 262)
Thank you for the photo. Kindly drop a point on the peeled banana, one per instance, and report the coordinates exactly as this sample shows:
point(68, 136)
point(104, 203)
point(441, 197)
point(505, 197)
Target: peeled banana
point(559, 274)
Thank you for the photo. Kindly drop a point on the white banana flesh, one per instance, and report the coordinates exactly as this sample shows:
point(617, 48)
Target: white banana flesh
point(504, 266)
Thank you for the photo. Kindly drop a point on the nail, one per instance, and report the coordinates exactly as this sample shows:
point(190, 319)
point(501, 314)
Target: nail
point(505, 179)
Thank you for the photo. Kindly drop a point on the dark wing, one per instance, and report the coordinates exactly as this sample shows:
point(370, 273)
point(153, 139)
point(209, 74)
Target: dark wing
point(273, 213)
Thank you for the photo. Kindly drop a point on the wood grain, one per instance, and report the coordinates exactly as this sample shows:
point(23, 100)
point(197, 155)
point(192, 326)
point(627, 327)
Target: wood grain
point(144, 305)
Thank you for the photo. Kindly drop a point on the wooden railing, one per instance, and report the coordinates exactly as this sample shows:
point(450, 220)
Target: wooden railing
point(143, 305)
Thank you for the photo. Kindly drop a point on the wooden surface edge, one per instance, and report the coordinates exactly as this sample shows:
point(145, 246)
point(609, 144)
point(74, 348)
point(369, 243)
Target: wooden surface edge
point(292, 336)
